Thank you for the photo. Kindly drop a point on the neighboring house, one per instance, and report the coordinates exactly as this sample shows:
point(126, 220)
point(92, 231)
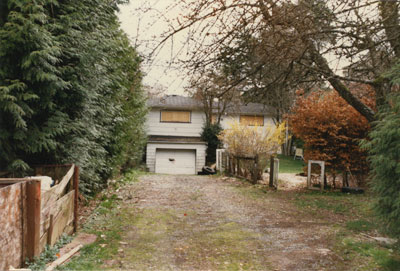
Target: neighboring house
point(174, 126)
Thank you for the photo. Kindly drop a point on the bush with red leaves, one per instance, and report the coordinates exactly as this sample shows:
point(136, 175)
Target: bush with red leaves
point(331, 129)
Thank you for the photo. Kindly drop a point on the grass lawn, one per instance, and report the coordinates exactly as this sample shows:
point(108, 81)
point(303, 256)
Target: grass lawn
point(288, 165)
point(352, 221)
point(349, 220)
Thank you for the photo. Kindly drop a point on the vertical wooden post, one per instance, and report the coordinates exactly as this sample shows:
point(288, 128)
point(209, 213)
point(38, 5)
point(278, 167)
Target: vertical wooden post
point(271, 172)
point(33, 201)
point(76, 197)
point(24, 221)
point(50, 231)
point(322, 165)
point(309, 174)
point(276, 173)
point(255, 174)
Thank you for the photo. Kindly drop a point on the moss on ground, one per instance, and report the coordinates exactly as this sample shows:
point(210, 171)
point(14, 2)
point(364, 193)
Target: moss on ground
point(354, 217)
point(160, 237)
point(349, 217)
point(226, 246)
point(362, 254)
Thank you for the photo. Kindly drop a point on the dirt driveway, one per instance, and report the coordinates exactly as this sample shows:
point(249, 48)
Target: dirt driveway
point(208, 223)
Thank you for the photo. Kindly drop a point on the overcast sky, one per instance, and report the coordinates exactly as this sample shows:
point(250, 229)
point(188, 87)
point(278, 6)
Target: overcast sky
point(143, 21)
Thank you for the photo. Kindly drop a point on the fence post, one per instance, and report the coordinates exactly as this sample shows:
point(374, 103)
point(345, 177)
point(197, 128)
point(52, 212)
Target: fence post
point(50, 231)
point(76, 197)
point(271, 172)
point(255, 170)
point(33, 202)
point(276, 172)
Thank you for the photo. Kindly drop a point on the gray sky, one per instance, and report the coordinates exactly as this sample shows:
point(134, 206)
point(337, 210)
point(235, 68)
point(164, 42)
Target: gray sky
point(143, 21)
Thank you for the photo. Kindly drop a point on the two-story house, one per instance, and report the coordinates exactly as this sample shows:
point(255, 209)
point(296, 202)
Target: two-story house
point(174, 126)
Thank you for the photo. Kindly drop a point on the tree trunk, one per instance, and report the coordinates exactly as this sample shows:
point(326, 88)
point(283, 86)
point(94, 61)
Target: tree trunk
point(342, 90)
point(325, 70)
point(389, 12)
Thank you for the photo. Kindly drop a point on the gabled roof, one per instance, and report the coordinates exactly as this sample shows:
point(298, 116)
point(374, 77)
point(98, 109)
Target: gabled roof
point(181, 102)
point(250, 108)
point(174, 101)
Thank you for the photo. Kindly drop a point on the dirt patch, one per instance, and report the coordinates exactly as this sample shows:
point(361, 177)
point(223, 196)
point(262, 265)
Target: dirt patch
point(203, 223)
point(287, 181)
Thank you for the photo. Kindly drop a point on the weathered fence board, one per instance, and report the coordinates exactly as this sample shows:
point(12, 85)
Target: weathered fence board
point(64, 216)
point(273, 172)
point(243, 167)
point(11, 226)
point(30, 219)
point(220, 163)
point(246, 167)
point(50, 196)
point(33, 199)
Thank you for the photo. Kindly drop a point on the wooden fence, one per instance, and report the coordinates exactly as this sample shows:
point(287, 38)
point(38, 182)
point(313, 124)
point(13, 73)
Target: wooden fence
point(31, 218)
point(243, 167)
point(246, 167)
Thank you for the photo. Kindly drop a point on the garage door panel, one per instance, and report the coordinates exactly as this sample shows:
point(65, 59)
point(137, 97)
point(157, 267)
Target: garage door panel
point(172, 161)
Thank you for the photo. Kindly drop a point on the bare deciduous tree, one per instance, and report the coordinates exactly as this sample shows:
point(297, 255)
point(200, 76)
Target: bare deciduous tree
point(210, 89)
point(314, 35)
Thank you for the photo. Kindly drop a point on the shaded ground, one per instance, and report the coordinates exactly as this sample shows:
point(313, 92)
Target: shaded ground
point(208, 223)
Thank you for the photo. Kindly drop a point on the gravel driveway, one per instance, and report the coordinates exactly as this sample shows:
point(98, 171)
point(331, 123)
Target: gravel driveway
point(208, 223)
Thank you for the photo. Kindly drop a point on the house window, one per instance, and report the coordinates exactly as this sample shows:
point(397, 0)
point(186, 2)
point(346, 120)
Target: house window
point(175, 116)
point(252, 120)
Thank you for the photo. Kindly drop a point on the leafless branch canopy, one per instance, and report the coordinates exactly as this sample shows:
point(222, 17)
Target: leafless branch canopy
point(268, 46)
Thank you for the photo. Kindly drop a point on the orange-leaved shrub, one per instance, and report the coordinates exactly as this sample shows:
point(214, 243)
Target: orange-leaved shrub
point(331, 129)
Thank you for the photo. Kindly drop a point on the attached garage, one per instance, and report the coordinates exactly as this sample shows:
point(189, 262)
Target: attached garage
point(175, 155)
point(175, 161)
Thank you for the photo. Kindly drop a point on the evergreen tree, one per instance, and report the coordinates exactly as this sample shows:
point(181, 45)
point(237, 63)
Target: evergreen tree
point(210, 135)
point(30, 121)
point(70, 89)
point(3, 12)
point(384, 149)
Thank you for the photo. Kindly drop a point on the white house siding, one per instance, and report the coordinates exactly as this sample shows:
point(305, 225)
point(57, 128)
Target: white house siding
point(152, 147)
point(192, 129)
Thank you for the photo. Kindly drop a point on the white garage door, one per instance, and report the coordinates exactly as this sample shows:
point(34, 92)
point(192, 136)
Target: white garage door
point(171, 161)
